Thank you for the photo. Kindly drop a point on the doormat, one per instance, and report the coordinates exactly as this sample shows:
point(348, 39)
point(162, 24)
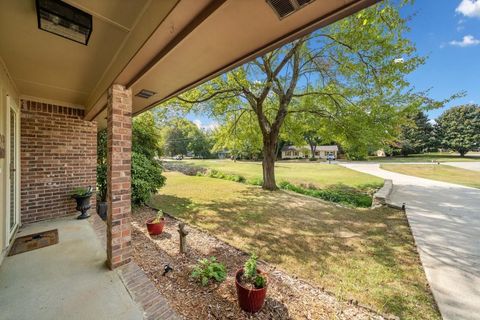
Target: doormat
point(34, 241)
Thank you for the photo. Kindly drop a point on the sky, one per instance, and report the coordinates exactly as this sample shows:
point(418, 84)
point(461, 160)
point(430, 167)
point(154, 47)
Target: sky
point(447, 32)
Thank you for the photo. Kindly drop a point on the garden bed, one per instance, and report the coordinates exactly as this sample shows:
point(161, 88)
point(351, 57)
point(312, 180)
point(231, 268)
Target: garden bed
point(287, 297)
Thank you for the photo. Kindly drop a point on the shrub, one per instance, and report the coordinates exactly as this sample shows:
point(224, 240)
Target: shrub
point(146, 171)
point(220, 175)
point(146, 178)
point(338, 193)
point(255, 181)
point(209, 269)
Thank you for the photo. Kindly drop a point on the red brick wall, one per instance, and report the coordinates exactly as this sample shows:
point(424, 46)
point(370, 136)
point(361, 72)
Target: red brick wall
point(58, 154)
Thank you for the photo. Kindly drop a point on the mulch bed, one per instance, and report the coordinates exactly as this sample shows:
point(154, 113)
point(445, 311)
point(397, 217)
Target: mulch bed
point(287, 297)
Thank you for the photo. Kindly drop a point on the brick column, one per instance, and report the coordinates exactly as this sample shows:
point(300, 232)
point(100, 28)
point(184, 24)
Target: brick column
point(119, 123)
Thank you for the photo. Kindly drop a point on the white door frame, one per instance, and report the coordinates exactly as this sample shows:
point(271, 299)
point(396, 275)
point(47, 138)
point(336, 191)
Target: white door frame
point(11, 105)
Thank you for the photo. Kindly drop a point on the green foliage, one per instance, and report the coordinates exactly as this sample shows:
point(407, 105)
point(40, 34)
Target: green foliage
point(102, 165)
point(338, 193)
point(255, 181)
point(459, 128)
point(146, 178)
point(260, 281)
point(356, 93)
point(81, 192)
point(145, 136)
point(220, 175)
point(158, 217)
point(181, 136)
point(146, 170)
point(250, 267)
point(209, 269)
point(416, 135)
point(238, 135)
point(250, 272)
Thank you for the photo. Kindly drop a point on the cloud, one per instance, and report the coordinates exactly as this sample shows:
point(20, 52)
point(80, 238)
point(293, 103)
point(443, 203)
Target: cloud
point(211, 126)
point(469, 8)
point(198, 123)
point(207, 127)
point(467, 41)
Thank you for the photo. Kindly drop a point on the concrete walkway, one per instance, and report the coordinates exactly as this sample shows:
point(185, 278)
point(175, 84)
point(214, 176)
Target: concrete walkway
point(445, 221)
point(465, 165)
point(68, 280)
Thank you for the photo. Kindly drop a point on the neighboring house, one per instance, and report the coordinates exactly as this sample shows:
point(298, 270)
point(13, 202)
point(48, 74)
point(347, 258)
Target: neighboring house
point(321, 152)
point(380, 153)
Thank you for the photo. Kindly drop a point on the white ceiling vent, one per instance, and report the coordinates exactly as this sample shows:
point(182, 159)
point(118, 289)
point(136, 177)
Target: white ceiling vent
point(284, 8)
point(144, 93)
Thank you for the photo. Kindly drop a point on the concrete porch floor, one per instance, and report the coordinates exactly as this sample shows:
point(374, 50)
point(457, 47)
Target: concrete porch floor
point(68, 280)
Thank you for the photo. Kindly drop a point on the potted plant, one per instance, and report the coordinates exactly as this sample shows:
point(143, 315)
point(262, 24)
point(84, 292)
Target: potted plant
point(82, 196)
point(251, 284)
point(155, 225)
point(102, 191)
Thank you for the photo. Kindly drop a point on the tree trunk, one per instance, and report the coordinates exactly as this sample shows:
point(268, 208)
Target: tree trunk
point(313, 148)
point(268, 164)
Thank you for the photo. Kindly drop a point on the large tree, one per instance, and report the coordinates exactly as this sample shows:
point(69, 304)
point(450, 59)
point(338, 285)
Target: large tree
point(459, 128)
point(237, 135)
point(353, 72)
point(416, 134)
point(182, 136)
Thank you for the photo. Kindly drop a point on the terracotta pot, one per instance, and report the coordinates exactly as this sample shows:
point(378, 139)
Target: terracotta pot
point(155, 228)
point(250, 300)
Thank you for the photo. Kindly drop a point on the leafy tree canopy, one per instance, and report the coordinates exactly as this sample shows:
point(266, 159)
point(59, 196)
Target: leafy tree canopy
point(181, 136)
point(416, 135)
point(350, 77)
point(459, 128)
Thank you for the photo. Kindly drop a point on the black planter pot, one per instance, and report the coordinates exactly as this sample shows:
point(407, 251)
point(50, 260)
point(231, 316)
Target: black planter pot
point(102, 210)
point(83, 204)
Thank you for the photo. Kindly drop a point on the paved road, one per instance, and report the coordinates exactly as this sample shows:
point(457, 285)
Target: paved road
point(445, 221)
point(465, 165)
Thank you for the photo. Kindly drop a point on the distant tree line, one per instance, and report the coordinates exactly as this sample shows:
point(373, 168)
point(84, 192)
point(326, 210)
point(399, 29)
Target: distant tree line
point(457, 129)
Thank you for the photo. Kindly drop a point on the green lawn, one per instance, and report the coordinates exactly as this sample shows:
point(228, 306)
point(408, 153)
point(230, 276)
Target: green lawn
point(363, 254)
point(319, 174)
point(441, 172)
point(430, 157)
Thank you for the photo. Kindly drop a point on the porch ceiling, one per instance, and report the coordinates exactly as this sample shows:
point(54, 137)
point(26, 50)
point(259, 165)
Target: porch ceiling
point(225, 34)
point(47, 66)
point(164, 46)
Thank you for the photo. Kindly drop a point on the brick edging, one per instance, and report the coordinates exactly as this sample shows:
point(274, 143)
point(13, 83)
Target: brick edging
point(142, 291)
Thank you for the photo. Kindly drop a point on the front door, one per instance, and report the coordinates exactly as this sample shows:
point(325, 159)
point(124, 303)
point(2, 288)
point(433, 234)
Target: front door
point(13, 200)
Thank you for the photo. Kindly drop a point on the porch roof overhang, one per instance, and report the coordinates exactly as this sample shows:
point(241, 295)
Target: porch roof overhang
point(166, 46)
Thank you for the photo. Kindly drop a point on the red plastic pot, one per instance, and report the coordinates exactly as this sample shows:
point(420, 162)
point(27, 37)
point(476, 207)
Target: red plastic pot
point(250, 300)
point(155, 228)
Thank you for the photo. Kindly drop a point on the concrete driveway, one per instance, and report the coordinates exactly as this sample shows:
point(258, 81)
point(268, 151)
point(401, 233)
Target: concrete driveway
point(465, 165)
point(445, 221)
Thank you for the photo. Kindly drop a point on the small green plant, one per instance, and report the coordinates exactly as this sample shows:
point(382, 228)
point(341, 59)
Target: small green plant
point(207, 269)
point(255, 181)
point(260, 281)
point(81, 192)
point(158, 217)
point(250, 272)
